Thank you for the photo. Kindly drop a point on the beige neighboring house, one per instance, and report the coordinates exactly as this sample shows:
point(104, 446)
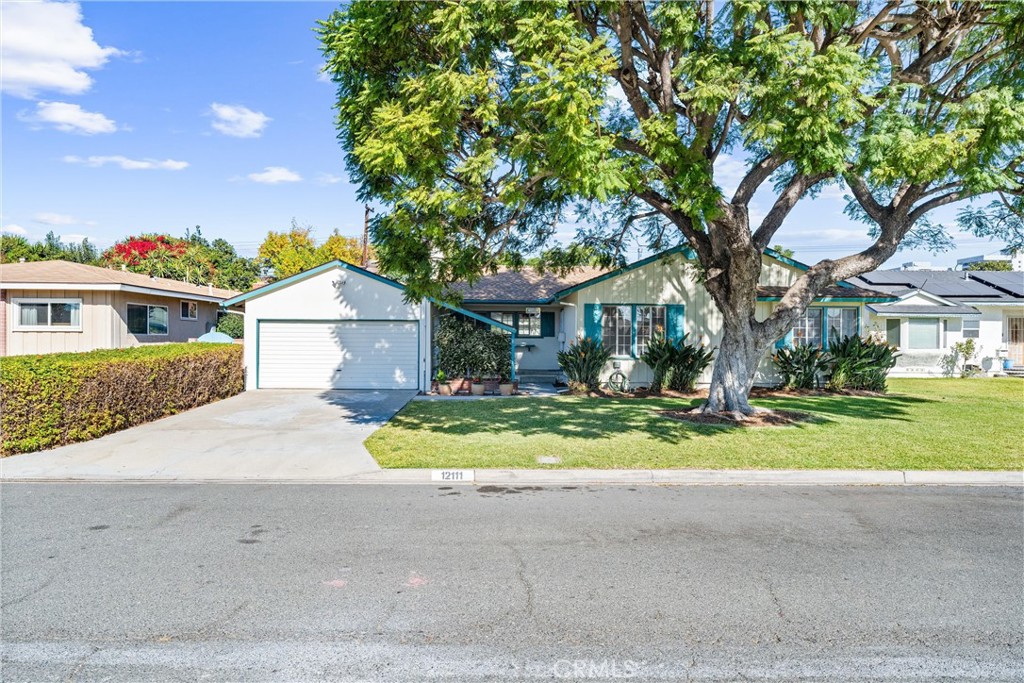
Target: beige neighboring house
point(58, 306)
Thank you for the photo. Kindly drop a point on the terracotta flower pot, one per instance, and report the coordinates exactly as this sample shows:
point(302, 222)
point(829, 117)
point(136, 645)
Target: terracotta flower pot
point(506, 388)
point(477, 389)
point(458, 385)
point(444, 389)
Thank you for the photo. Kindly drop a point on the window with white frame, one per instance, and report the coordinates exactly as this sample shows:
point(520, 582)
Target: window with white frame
point(807, 329)
point(841, 323)
point(923, 333)
point(48, 315)
point(650, 323)
point(190, 310)
point(617, 330)
point(147, 319)
point(505, 318)
point(972, 328)
point(528, 325)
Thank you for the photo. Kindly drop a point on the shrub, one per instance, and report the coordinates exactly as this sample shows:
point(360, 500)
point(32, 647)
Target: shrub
point(57, 399)
point(582, 363)
point(658, 357)
point(676, 365)
point(688, 362)
point(232, 325)
point(465, 348)
point(855, 363)
point(800, 366)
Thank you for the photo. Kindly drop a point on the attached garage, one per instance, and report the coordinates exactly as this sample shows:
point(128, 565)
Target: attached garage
point(338, 355)
point(336, 326)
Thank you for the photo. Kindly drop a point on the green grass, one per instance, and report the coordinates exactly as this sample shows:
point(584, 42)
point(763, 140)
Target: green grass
point(922, 424)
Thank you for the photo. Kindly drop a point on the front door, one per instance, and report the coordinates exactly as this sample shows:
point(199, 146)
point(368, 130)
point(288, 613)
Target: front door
point(1015, 339)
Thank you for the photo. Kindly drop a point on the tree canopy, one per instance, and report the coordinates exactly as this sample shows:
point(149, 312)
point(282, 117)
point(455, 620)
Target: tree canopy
point(479, 126)
point(286, 253)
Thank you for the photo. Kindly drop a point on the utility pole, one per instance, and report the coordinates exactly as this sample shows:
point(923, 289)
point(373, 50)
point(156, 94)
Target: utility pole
point(366, 237)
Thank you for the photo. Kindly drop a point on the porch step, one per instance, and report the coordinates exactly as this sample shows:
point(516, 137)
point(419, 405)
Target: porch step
point(1016, 371)
point(539, 376)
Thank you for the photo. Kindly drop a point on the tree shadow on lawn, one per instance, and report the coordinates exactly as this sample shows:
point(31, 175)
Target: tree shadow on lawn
point(601, 418)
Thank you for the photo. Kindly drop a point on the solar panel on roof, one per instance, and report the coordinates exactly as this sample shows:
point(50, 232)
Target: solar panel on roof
point(1012, 283)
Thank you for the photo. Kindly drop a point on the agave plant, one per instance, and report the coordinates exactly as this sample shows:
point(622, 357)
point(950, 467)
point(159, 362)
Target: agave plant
point(856, 363)
point(801, 366)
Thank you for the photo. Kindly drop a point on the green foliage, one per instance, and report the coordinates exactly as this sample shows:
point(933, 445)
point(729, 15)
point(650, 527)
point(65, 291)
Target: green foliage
point(284, 254)
point(13, 248)
point(477, 125)
point(582, 364)
point(960, 355)
point(466, 348)
point(56, 399)
point(677, 365)
point(191, 259)
point(856, 363)
point(1003, 266)
point(232, 325)
point(801, 366)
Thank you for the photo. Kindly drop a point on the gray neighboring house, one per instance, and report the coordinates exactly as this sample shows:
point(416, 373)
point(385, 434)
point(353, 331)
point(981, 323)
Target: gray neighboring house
point(935, 309)
point(58, 306)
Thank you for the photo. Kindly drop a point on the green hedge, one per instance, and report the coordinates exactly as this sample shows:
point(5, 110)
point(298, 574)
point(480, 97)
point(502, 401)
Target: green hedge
point(56, 399)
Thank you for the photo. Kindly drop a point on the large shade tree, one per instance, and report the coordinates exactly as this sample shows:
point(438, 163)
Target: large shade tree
point(478, 126)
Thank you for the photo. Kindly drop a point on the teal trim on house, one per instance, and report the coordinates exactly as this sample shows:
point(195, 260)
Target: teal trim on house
point(260, 291)
point(592, 321)
point(675, 322)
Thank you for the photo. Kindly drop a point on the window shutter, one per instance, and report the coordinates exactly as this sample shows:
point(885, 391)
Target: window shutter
point(786, 342)
point(592, 321)
point(675, 322)
point(547, 324)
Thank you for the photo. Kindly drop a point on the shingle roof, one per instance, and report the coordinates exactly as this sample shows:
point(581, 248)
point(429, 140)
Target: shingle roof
point(525, 285)
point(925, 310)
point(67, 273)
point(833, 291)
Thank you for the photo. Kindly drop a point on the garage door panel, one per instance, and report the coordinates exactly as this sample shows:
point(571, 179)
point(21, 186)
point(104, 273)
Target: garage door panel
point(345, 355)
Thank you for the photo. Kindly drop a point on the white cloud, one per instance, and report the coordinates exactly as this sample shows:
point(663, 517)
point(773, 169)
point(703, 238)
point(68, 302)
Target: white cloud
point(128, 164)
point(328, 179)
point(54, 219)
point(272, 175)
point(322, 75)
point(73, 238)
point(69, 118)
point(47, 48)
point(729, 171)
point(238, 121)
point(14, 229)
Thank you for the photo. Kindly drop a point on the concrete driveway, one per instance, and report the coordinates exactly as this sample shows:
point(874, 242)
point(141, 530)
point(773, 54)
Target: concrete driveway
point(257, 435)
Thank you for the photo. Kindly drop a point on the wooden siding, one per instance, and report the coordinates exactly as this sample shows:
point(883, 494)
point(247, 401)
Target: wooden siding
point(104, 322)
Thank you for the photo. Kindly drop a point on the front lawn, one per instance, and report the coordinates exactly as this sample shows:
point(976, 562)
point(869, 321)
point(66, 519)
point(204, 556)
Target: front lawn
point(922, 424)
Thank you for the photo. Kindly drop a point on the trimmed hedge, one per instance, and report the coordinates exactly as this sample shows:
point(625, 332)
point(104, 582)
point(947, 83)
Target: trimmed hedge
point(56, 399)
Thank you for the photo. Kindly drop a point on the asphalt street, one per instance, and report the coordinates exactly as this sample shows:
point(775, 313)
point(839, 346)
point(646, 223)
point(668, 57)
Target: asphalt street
point(139, 582)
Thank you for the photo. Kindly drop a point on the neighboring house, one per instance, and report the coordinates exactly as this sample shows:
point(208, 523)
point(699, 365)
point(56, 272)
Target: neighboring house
point(935, 309)
point(58, 306)
point(341, 326)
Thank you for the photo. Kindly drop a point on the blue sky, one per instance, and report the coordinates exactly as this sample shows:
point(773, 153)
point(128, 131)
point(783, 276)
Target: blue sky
point(122, 118)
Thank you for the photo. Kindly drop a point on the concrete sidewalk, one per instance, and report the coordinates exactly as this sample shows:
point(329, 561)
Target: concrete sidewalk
point(282, 474)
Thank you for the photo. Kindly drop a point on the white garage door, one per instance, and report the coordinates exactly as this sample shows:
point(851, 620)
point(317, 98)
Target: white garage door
point(344, 355)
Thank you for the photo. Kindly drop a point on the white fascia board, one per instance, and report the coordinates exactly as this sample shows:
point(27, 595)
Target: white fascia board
point(110, 287)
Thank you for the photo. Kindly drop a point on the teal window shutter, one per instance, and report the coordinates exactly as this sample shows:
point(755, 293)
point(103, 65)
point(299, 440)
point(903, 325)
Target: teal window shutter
point(675, 322)
point(786, 342)
point(547, 324)
point(592, 321)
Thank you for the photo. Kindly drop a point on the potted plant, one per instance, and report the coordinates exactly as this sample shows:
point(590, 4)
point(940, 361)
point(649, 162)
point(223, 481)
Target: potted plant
point(441, 382)
point(491, 384)
point(477, 387)
point(507, 388)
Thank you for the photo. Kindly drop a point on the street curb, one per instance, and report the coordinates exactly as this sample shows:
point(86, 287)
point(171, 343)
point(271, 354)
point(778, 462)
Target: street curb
point(496, 477)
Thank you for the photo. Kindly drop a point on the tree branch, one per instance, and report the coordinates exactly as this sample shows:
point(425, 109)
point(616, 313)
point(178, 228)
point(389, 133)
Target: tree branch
point(755, 177)
point(784, 203)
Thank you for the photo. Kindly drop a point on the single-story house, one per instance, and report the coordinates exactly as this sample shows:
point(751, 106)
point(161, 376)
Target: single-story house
point(58, 306)
point(342, 326)
point(934, 309)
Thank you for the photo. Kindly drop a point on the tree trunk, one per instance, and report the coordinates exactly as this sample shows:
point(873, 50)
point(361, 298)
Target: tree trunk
point(734, 370)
